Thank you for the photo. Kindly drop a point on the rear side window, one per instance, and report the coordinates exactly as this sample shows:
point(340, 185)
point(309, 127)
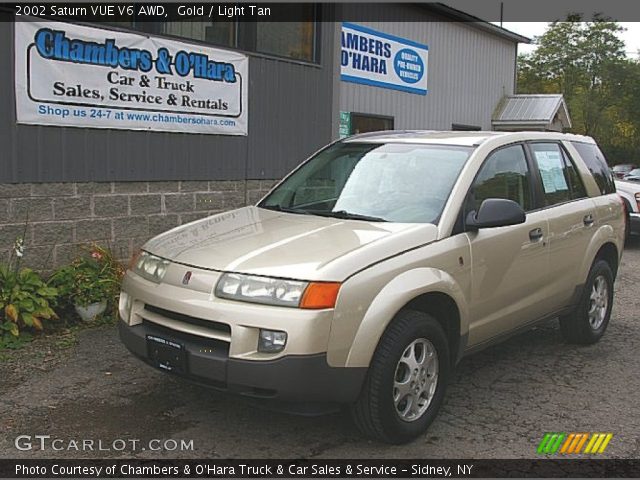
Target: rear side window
point(560, 180)
point(597, 164)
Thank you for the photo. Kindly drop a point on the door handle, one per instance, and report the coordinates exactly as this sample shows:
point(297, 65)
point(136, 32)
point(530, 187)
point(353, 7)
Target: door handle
point(588, 220)
point(535, 234)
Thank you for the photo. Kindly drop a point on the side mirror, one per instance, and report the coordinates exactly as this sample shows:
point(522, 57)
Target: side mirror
point(495, 212)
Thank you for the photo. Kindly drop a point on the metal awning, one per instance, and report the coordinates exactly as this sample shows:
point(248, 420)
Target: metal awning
point(532, 111)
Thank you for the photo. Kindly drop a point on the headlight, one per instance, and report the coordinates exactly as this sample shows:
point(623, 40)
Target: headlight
point(249, 288)
point(276, 291)
point(151, 267)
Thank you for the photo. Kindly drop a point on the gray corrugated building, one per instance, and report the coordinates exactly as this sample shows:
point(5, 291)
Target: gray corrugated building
point(63, 185)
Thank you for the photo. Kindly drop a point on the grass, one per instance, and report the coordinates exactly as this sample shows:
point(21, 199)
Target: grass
point(61, 334)
point(66, 340)
point(46, 350)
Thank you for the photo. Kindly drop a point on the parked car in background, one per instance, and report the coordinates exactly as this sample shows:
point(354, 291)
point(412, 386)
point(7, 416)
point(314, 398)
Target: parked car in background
point(633, 175)
point(630, 193)
point(368, 273)
point(619, 171)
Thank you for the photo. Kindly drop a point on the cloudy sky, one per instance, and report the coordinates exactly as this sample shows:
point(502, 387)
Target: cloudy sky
point(530, 29)
point(530, 18)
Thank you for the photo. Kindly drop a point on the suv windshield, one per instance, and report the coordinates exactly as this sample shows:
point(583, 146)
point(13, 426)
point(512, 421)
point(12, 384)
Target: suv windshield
point(392, 182)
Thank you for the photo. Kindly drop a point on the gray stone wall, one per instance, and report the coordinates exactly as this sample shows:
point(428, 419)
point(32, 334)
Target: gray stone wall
point(57, 219)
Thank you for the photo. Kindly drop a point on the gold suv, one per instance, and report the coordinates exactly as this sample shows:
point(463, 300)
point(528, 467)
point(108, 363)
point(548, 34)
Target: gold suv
point(367, 273)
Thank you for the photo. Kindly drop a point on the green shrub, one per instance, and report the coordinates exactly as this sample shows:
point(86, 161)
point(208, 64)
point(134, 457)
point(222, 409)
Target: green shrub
point(90, 278)
point(25, 304)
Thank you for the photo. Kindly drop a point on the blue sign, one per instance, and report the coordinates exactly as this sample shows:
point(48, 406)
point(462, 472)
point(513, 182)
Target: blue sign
point(378, 59)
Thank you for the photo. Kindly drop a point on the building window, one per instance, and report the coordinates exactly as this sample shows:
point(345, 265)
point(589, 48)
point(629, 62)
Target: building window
point(362, 123)
point(286, 39)
point(206, 31)
point(295, 40)
point(461, 127)
point(216, 33)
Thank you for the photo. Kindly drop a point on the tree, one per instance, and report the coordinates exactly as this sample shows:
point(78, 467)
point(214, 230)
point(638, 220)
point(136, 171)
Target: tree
point(585, 61)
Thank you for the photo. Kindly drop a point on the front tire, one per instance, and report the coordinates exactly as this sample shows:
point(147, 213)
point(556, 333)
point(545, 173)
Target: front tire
point(406, 382)
point(588, 322)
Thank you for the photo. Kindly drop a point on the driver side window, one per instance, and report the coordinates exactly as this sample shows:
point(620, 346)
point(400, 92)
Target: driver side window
point(504, 174)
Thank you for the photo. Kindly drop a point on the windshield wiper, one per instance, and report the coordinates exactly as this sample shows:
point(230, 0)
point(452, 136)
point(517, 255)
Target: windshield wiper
point(323, 213)
point(347, 215)
point(279, 208)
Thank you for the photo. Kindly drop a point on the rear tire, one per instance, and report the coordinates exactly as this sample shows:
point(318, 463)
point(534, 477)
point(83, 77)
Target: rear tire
point(588, 322)
point(406, 381)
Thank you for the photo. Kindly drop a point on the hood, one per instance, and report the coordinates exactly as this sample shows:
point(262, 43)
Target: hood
point(305, 247)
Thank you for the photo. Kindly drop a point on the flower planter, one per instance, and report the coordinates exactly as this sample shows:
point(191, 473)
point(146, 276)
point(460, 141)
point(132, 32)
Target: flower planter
point(91, 311)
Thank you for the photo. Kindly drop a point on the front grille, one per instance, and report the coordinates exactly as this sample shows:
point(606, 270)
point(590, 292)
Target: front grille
point(200, 322)
point(186, 323)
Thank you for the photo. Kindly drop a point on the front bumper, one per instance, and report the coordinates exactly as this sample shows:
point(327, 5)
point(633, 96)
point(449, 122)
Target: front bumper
point(295, 378)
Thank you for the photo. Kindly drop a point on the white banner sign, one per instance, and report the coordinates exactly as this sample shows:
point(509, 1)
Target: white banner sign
point(71, 75)
point(378, 59)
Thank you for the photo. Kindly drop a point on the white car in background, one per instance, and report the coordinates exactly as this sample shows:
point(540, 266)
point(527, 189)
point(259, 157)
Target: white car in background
point(633, 175)
point(630, 193)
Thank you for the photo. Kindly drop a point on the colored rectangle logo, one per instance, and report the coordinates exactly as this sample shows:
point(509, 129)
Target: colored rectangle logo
point(573, 443)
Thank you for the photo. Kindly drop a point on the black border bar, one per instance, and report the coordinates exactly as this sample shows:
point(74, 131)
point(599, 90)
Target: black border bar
point(448, 10)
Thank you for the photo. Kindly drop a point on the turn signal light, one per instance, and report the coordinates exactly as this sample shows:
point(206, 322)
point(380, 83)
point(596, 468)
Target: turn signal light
point(320, 295)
